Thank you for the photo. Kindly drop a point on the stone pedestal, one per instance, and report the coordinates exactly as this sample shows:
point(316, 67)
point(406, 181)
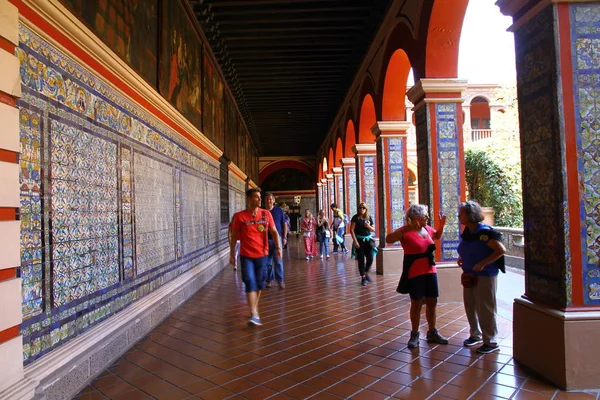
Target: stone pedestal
point(389, 261)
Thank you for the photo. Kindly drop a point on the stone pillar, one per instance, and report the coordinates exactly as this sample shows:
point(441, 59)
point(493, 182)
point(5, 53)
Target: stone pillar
point(349, 175)
point(366, 179)
point(325, 196)
point(338, 183)
point(392, 190)
point(331, 198)
point(319, 194)
point(440, 155)
point(467, 124)
point(11, 342)
point(557, 85)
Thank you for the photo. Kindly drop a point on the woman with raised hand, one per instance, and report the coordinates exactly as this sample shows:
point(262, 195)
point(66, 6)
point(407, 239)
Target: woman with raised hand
point(419, 275)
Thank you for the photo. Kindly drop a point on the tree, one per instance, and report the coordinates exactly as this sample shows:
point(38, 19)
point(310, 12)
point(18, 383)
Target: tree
point(495, 181)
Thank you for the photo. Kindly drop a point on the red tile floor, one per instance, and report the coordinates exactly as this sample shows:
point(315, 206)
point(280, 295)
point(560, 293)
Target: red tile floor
point(323, 337)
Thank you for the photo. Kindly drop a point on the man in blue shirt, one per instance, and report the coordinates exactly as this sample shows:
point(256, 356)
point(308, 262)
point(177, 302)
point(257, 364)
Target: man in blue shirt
point(275, 271)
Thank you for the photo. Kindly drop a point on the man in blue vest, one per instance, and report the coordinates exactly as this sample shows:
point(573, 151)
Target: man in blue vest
point(274, 264)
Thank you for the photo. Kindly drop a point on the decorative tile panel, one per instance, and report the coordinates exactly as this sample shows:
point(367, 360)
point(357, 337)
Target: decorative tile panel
point(84, 227)
point(339, 184)
point(331, 191)
point(368, 185)
point(100, 177)
point(395, 160)
point(31, 212)
point(544, 200)
point(449, 176)
point(350, 185)
point(585, 48)
point(154, 222)
point(422, 127)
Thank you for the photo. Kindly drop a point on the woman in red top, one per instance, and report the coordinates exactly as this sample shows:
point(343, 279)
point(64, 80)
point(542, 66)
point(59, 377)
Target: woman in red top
point(417, 239)
point(308, 227)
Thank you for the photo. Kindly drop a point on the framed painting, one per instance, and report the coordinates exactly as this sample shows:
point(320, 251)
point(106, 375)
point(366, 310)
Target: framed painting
point(231, 148)
point(128, 27)
point(214, 118)
point(181, 62)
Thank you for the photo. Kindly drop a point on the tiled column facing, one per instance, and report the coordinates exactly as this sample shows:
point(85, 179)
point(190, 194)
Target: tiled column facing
point(557, 85)
point(366, 179)
point(440, 157)
point(338, 183)
point(331, 197)
point(392, 190)
point(11, 343)
point(349, 177)
point(325, 196)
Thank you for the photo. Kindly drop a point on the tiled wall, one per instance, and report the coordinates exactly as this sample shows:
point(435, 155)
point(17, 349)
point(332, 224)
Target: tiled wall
point(114, 204)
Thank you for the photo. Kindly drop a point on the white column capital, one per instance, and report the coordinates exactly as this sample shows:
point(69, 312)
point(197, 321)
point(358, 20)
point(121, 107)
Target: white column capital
point(324, 181)
point(348, 162)
point(329, 177)
point(364, 149)
point(337, 170)
point(441, 86)
point(319, 184)
point(391, 128)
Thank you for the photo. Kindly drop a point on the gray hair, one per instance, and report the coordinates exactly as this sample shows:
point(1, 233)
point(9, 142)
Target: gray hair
point(415, 211)
point(473, 210)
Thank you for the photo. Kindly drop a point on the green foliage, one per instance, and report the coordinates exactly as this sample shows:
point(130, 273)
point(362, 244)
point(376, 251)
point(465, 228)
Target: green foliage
point(494, 180)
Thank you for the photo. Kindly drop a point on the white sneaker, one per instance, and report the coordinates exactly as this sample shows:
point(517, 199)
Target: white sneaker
point(307, 257)
point(321, 256)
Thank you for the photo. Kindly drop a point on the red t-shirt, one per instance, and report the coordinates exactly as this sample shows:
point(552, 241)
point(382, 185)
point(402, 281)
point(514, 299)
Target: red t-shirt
point(252, 232)
point(413, 243)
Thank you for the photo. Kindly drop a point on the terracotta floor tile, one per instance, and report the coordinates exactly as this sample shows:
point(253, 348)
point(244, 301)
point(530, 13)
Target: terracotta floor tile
point(367, 394)
point(575, 396)
point(323, 337)
point(131, 395)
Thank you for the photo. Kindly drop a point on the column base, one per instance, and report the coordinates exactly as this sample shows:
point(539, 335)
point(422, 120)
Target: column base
point(451, 290)
point(559, 345)
point(389, 261)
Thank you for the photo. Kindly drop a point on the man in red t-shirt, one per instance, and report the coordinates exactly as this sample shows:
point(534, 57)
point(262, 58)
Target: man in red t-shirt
point(251, 227)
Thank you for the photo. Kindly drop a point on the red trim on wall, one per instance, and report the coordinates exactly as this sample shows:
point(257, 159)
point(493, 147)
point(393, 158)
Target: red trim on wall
point(100, 69)
point(237, 174)
point(7, 45)
point(9, 156)
point(8, 274)
point(8, 213)
point(9, 334)
point(572, 178)
point(8, 99)
point(435, 180)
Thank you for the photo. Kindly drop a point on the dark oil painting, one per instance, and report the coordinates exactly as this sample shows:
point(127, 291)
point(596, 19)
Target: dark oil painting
point(231, 127)
point(214, 120)
point(181, 62)
point(127, 27)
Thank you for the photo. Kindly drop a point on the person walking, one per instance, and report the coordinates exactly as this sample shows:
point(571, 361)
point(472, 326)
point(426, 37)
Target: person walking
point(361, 229)
point(308, 228)
point(251, 226)
point(419, 275)
point(323, 234)
point(274, 264)
point(338, 226)
point(479, 251)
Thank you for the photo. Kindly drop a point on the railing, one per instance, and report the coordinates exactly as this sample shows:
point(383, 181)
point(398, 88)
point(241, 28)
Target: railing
point(478, 134)
point(514, 241)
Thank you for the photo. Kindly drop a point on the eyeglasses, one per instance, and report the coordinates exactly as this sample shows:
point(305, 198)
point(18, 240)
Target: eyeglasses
point(362, 208)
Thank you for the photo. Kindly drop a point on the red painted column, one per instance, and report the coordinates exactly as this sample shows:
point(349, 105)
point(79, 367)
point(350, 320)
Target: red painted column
point(338, 187)
point(350, 203)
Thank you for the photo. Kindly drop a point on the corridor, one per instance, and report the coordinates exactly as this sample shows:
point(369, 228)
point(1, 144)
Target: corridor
point(324, 337)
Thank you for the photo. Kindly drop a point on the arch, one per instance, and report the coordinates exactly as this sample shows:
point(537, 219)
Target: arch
point(270, 168)
point(366, 120)
point(330, 161)
point(394, 87)
point(349, 139)
point(339, 153)
point(324, 167)
point(401, 37)
point(443, 38)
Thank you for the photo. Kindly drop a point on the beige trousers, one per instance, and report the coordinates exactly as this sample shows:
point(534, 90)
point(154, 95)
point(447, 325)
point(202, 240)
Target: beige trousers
point(480, 307)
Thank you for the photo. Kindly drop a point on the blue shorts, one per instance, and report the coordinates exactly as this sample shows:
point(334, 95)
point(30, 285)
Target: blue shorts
point(423, 286)
point(254, 273)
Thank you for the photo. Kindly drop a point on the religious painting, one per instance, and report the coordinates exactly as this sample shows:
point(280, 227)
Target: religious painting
point(214, 119)
point(242, 149)
point(231, 146)
point(181, 62)
point(128, 27)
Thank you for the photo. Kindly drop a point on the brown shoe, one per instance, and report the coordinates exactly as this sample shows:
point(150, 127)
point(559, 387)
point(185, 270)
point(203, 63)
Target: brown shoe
point(281, 285)
point(268, 284)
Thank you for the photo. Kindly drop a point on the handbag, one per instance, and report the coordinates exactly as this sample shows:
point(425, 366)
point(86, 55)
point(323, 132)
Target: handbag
point(306, 234)
point(327, 234)
point(468, 280)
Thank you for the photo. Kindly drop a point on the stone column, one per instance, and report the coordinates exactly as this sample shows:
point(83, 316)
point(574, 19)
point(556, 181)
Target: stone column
point(331, 198)
point(349, 175)
point(392, 190)
point(467, 124)
point(366, 179)
point(325, 196)
point(556, 323)
point(319, 194)
point(440, 156)
point(11, 341)
point(338, 183)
